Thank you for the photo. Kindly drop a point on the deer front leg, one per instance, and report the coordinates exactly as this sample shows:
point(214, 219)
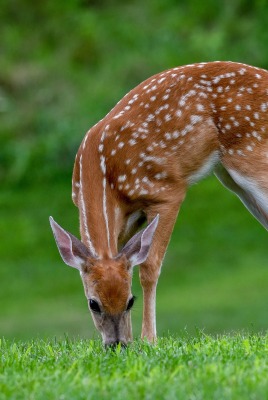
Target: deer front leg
point(151, 268)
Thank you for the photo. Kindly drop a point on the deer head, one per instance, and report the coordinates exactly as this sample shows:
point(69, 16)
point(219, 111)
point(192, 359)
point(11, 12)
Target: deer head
point(107, 282)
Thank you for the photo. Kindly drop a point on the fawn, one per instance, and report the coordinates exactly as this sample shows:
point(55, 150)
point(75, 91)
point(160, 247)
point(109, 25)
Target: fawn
point(136, 164)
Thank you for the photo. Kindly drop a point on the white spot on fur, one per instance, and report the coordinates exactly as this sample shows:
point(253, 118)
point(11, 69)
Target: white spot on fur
point(122, 178)
point(195, 119)
point(150, 118)
point(242, 71)
point(103, 164)
point(200, 107)
point(160, 175)
point(264, 107)
point(168, 117)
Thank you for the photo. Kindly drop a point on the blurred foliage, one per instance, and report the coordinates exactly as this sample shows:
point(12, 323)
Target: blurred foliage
point(65, 63)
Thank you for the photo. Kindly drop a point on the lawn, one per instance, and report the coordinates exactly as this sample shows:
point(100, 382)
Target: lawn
point(200, 367)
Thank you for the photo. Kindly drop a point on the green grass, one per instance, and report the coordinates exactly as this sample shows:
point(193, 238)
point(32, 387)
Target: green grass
point(201, 367)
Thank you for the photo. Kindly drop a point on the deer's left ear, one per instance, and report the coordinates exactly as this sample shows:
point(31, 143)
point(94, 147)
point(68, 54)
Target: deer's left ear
point(137, 248)
point(72, 250)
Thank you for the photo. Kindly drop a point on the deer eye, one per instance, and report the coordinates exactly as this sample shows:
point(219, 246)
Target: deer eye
point(130, 303)
point(94, 306)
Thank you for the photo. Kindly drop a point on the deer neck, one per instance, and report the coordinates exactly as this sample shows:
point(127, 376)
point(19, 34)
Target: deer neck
point(100, 214)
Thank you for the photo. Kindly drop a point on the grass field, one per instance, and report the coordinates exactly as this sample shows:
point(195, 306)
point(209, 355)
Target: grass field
point(203, 367)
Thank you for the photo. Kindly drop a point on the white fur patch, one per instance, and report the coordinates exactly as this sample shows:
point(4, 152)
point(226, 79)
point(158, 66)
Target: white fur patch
point(83, 212)
point(250, 186)
point(105, 214)
point(205, 169)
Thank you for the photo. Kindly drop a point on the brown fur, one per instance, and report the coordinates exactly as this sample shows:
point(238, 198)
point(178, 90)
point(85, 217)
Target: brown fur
point(112, 284)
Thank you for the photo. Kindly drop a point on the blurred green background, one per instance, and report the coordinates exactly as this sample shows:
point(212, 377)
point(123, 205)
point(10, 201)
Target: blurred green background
point(63, 66)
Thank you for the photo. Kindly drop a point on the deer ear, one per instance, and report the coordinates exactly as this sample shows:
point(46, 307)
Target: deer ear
point(72, 250)
point(137, 248)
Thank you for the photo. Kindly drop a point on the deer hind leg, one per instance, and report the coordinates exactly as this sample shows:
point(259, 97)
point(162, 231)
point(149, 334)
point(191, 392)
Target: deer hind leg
point(151, 268)
point(252, 190)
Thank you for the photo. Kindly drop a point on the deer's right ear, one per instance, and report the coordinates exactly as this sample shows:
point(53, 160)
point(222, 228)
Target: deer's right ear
point(72, 250)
